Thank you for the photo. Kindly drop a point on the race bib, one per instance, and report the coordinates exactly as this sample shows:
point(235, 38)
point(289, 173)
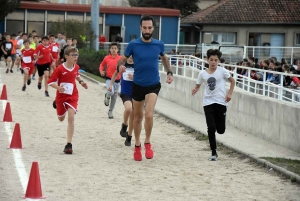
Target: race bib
point(8, 46)
point(68, 87)
point(127, 73)
point(27, 60)
point(54, 48)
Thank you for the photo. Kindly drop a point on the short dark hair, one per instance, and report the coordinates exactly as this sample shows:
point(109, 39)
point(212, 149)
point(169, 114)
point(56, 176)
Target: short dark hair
point(213, 52)
point(36, 36)
point(251, 58)
point(45, 38)
point(147, 18)
point(13, 35)
point(33, 31)
point(74, 39)
point(26, 41)
point(113, 44)
point(51, 35)
point(24, 34)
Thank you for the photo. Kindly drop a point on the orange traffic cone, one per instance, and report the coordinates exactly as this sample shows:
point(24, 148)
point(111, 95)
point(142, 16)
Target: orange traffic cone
point(7, 113)
point(16, 141)
point(3, 93)
point(34, 188)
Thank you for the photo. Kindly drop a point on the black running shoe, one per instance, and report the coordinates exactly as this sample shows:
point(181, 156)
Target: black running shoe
point(128, 140)
point(54, 104)
point(39, 85)
point(123, 131)
point(29, 81)
point(68, 149)
point(46, 94)
point(214, 156)
point(24, 88)
point(11, 71)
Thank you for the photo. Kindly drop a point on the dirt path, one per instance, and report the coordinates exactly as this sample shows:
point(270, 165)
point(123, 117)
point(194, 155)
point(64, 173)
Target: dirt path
point(102, 168)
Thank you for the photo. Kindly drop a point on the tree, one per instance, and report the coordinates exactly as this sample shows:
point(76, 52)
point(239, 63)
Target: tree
point(8, 6)
point(82, 31)
point(185, 7)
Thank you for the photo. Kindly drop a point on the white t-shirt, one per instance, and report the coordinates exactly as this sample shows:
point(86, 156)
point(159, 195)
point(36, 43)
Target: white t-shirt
point(215, 86)
point(20, 42)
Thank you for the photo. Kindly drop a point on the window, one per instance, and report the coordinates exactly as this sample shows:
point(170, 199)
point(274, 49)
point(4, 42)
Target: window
point(83, 1)
point(62, 1)
point(224, 38)
point(298, 39)
point(101, 2)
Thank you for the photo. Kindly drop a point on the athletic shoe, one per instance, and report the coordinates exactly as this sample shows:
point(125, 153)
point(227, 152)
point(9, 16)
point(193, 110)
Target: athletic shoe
point(123, 131)
point(128, 140)
point(24, 88)
point(54, 104)
point(110, 114)
point(68, 149)
point(148, 150)
point(137, 155)
point(29, 81)
point(7, 71)
point(46, 94)
point(33, 77)
point(214, 157)
point(39, 85)
point(106, 100)
point(11, 71)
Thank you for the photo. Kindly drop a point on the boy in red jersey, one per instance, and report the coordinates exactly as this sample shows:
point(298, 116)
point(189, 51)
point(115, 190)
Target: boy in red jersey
point(55, 53)
point(43, 55)
point(27, 63)
point(66, 101)
point(111, 61)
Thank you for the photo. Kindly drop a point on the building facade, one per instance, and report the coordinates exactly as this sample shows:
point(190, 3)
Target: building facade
point(244, 23)
point(112, 20)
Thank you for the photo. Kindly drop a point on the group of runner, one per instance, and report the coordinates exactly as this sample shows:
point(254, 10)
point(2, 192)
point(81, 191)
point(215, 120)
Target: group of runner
point(137, 71)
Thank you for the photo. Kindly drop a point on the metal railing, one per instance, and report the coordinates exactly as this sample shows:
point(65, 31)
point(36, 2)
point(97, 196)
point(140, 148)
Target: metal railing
point(190, 66)
point(231, 53)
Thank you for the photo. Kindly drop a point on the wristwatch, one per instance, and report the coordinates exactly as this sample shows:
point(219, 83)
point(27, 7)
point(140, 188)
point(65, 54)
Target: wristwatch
point(169, 72)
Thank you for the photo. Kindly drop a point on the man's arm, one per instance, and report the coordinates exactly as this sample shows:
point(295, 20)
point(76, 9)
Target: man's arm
point(121, 64)
point(165, 62)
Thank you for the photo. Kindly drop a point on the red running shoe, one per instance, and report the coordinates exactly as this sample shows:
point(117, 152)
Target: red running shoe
point(148, 150)
point(137, 153)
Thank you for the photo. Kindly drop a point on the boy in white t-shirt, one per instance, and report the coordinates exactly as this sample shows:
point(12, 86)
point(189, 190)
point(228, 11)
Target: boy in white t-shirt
point(215, 98)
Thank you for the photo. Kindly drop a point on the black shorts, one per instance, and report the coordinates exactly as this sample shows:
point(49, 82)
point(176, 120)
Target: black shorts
point(126, 97)
point(7, 55)
point(43, 67)
point(139, 93)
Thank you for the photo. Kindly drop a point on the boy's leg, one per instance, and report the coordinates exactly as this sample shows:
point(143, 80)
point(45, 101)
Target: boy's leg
point(127, 111)
point(108, 94)
point(41, 74)
point(211, 125)
point(25, 77)
point(70, 129)
point(8, 63)
point(13, 58)
point(46, 76)
point(221, 118)
point(114, 96)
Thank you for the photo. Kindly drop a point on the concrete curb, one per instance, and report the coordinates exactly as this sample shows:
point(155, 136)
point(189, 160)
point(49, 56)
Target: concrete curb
point(256, 159)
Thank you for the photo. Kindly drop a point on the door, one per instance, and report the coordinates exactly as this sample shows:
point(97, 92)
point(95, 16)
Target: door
point(113, 31)
point(277, 40)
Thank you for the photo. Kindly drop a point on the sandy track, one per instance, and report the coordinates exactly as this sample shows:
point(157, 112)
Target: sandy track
point(102, 168)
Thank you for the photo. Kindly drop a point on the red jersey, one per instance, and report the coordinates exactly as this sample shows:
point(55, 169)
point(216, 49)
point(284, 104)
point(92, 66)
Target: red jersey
point(65, 78)
point(54, 51)
point(111, 65)
point(45, 51)
point(27, 57)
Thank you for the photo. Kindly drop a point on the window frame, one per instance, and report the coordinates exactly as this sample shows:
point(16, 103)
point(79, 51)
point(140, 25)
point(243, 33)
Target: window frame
point(220, 37)
point(297, 39)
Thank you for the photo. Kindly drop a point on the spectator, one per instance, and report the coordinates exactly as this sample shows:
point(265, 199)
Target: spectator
point(34, 33)
point(102, 38)
point(295, 80)
point(276, 77)
point(74, 42)
point(60, 40)
point(287, 79)
point(119, 39)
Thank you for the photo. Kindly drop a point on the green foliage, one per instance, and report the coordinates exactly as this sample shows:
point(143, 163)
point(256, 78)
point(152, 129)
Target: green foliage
point(185, 7)
point(89, 60)
point(7, 7)
point(82, 31)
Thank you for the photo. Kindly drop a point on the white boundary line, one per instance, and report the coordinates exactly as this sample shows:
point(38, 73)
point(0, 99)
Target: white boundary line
point(19, 165)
